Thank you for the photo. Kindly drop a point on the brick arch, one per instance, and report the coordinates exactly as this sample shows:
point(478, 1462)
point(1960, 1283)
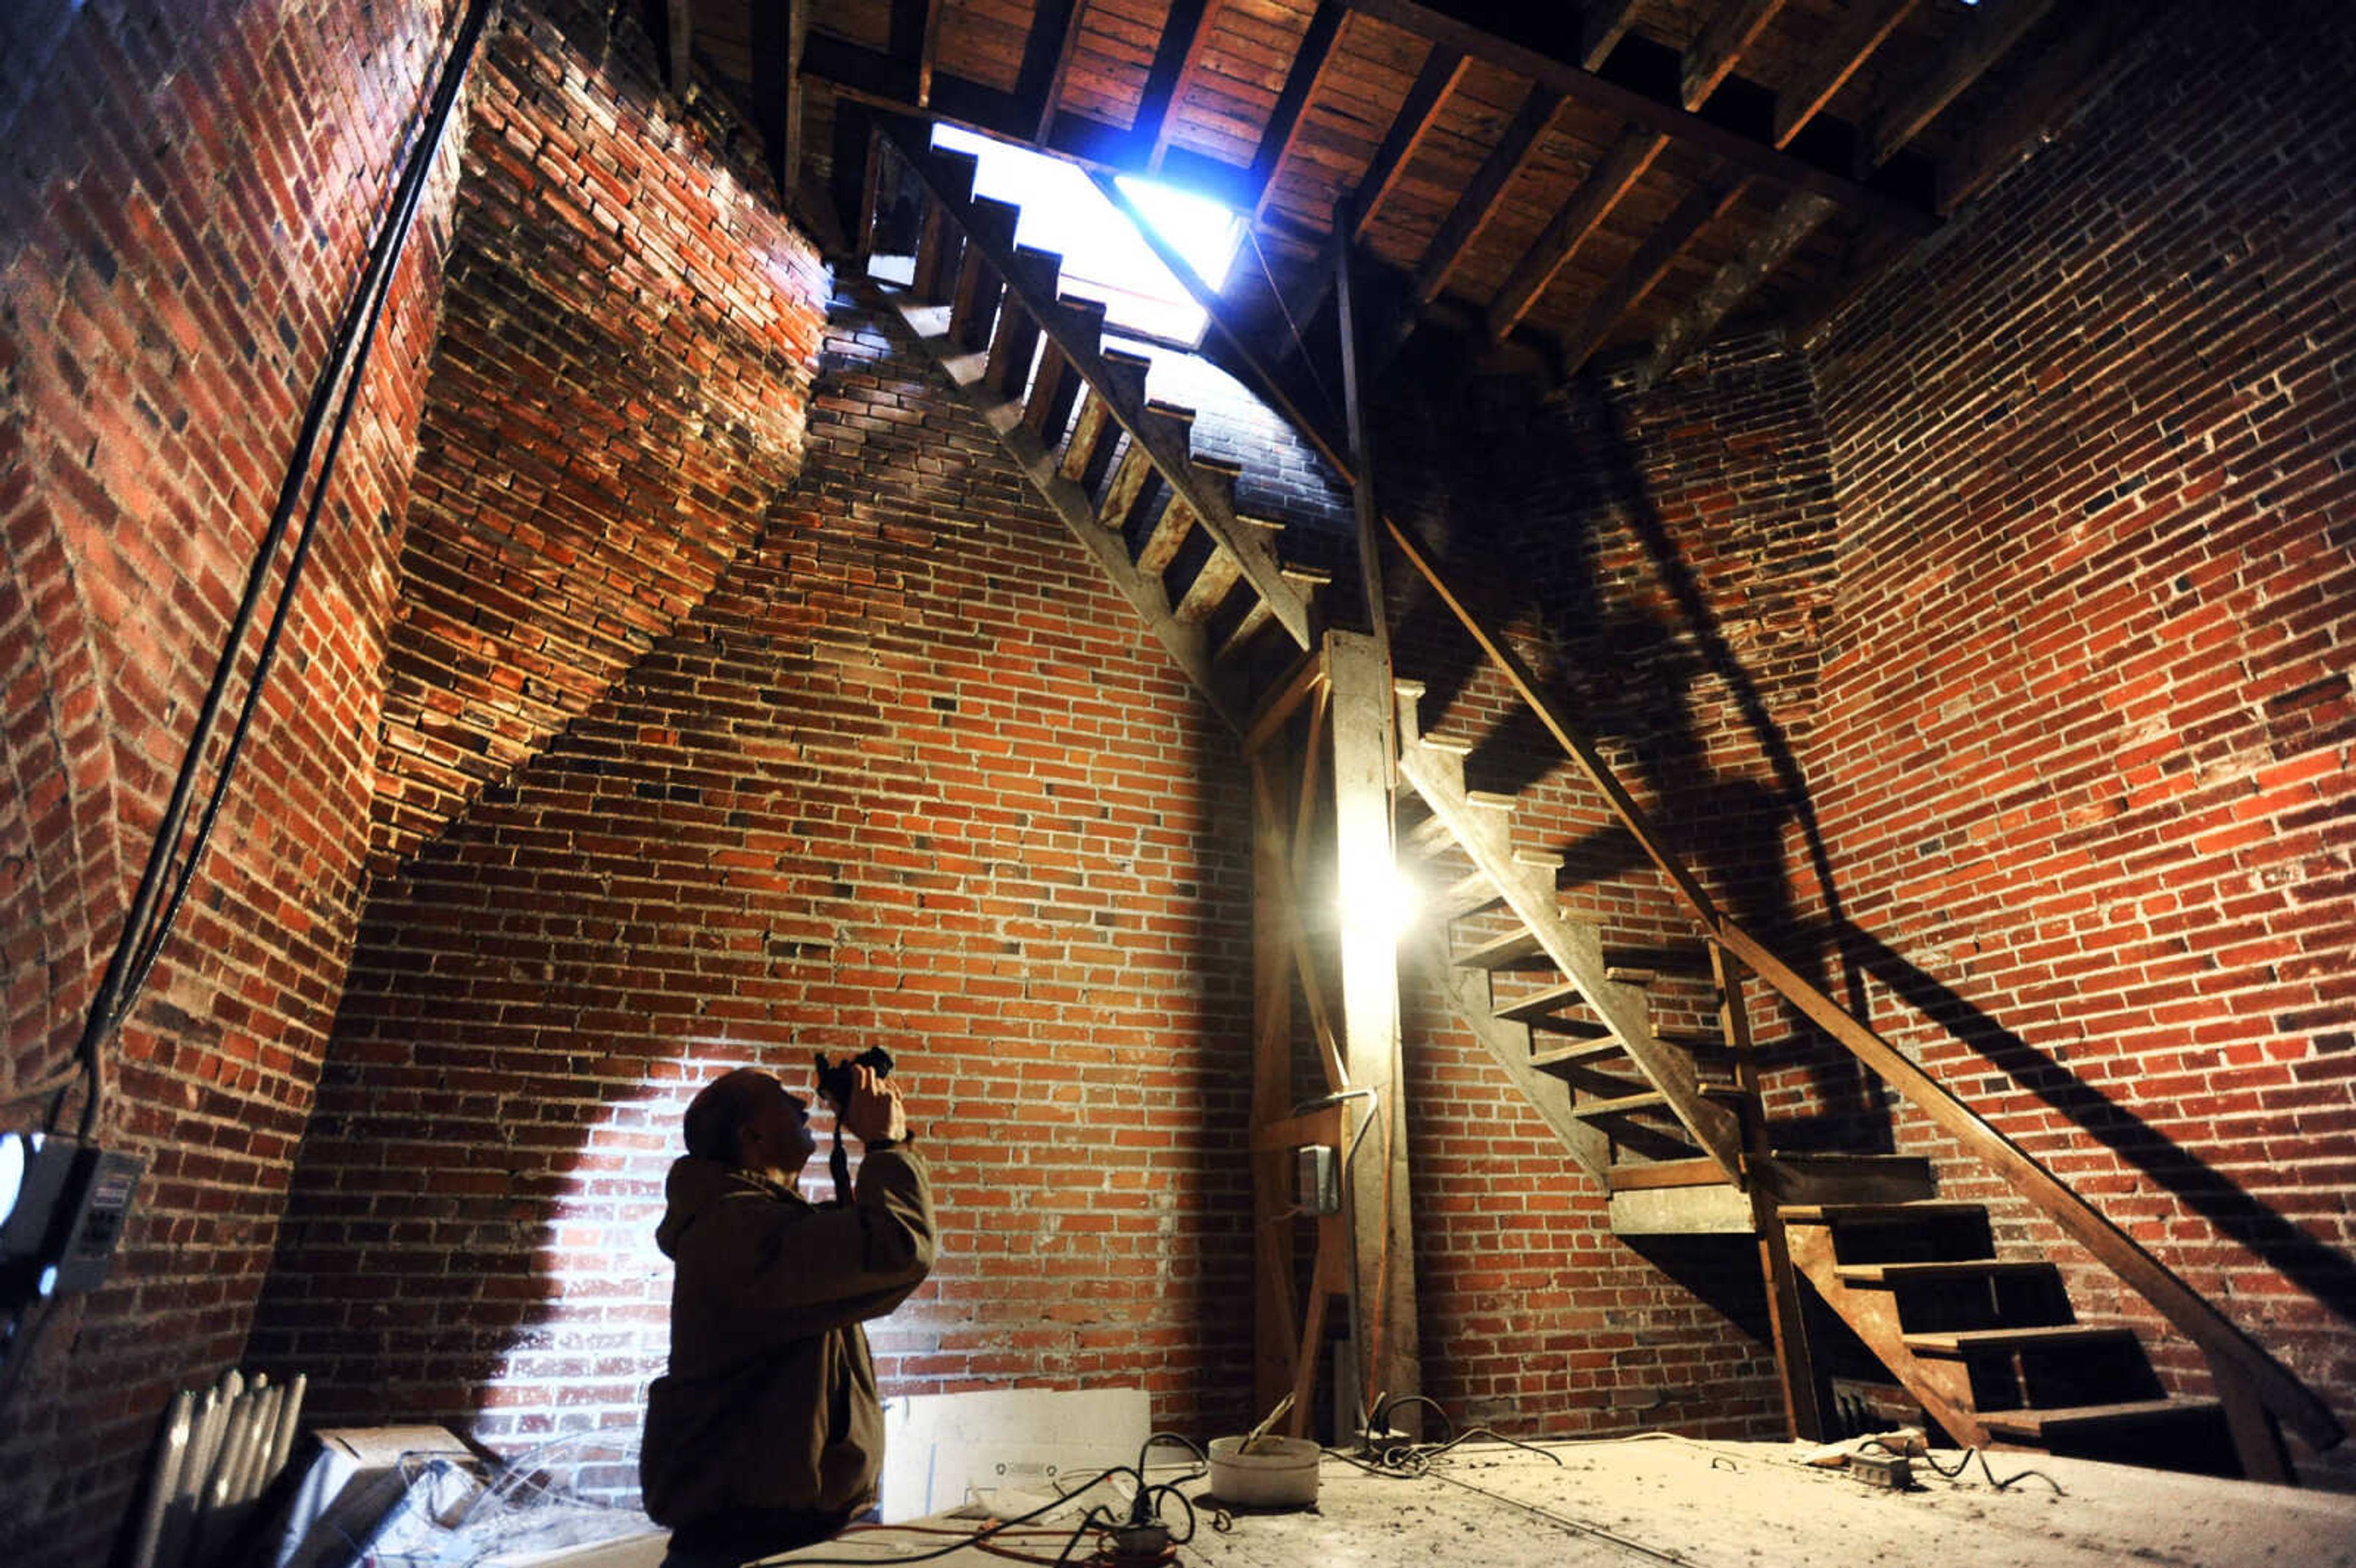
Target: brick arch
point(59, 845)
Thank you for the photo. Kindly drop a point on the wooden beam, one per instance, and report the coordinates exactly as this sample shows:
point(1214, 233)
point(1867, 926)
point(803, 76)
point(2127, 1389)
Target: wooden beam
point(1996, 26)
point(1309, 65)
point(2060, 79)
point(1276, 1352)
point(1443, 68)
point(1702, 207)
point(1381, 1299)
point(1800, 216)
point(857, 162)
point(915, 39)
point(677, 37)
point(1183, 37)
point(1642, 109)
point(1602, 24)
point(1868, 24)
point(1787, 1318)
point(1474, 208)
point(778, 36)
point(1277, 709)
point(1047, 57)
point(1614, 175)
point(1707, 62)
point(1710, 58)
point(1362, 491)
point(1801, 213)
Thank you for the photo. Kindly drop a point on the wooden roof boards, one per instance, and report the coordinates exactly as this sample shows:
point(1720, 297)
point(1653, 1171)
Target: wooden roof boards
point(1794, 136)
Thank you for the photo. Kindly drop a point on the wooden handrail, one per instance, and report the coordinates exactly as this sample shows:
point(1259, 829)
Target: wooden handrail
point(2232, 1353)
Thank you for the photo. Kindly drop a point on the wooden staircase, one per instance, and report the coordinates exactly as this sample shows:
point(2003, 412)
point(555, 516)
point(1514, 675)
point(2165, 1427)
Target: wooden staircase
point(1669, 1120)
point(1638, 1054)
point(1989, 1345)
point(1116, 466)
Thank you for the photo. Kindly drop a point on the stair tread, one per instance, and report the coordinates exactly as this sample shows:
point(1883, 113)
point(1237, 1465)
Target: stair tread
point(1505, 950)
point(1603, 1044)
point(1876, 1213)
point(1962, 1341)
point(1960, 1268)
point(2062, 1417)
point(1582, 1054)
point(1650, 1099)
point(1544, 1001)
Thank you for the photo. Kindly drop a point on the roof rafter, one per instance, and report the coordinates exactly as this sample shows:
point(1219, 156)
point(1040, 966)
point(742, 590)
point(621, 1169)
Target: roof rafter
point(1183, 37)
point(1702, 206)
point(1842, 55)
point(1443, 68)
point(1663, 115)
point(1474, 208)
point(1710, 58)
point(1996, 28)
point(1309, 64)
point(1613, 176)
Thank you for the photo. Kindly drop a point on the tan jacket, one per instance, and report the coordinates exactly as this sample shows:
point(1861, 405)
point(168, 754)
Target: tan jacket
point(770, 1401)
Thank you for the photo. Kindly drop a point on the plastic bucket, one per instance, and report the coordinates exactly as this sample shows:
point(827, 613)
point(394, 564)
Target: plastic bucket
point(1279, 1472)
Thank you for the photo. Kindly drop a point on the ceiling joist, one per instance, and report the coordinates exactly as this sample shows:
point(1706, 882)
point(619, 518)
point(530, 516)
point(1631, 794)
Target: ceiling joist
point(1847, 144)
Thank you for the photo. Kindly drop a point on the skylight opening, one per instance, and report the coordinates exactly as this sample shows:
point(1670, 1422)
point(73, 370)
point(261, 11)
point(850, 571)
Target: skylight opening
point(1105, 258)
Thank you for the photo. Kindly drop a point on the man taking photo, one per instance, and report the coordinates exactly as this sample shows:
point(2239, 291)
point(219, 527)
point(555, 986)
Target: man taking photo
point(768, 1434)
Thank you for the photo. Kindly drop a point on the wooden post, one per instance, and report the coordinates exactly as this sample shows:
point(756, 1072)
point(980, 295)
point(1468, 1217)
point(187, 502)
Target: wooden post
point(1381, 1299)
point(1786, 1308)
point(1274, 1351)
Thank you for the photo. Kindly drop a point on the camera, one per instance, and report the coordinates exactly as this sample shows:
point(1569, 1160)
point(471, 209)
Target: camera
point(836, 1079)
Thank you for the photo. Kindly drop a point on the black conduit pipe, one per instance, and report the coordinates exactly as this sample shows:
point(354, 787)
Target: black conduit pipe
point(143, 932)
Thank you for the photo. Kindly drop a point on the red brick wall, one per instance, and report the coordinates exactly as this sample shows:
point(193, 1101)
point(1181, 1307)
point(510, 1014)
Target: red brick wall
point(911, 776)
point(2084, 748)
point(620, 385)
point(183, 207)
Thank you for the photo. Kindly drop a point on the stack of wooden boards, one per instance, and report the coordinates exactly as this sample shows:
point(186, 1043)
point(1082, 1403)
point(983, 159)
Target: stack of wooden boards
point(218, 1452)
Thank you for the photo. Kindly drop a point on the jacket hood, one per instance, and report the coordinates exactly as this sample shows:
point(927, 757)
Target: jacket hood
point(690, 1192)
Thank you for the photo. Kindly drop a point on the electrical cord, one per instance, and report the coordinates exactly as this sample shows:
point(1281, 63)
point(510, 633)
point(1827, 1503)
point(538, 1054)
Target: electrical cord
point(1965, 1464)
point(148, 923)
point(1144, 1509)
point(148, 926)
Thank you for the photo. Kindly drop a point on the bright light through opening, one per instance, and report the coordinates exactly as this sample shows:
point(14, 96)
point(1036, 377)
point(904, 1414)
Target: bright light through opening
point(1104, 256)
point(1197, 228)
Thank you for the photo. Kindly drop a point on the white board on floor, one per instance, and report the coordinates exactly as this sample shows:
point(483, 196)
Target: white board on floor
point(938, 1447)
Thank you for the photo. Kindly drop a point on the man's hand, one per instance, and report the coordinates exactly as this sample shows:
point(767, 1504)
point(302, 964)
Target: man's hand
point(874, 1112)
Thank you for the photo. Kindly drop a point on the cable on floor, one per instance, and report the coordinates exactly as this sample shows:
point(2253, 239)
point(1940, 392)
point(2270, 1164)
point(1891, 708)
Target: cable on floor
point(1965, 1464)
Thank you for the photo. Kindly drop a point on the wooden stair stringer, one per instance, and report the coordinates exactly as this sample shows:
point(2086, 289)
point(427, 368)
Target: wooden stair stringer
point(966, 369)
point(1529, 891)
point(1943, 1387)
point(1212, 510)
point(1509, 1044)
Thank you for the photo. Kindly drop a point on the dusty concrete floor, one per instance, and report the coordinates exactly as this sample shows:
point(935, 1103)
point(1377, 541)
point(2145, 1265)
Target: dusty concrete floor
point(1673, 1500)
point(1736, 1504)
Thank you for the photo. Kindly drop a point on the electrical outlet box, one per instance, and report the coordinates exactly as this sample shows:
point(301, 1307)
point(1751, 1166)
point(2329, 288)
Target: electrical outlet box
point(1317, 1180)
point(1890, 1470)
point(104, 1207)
point(63, 1207)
